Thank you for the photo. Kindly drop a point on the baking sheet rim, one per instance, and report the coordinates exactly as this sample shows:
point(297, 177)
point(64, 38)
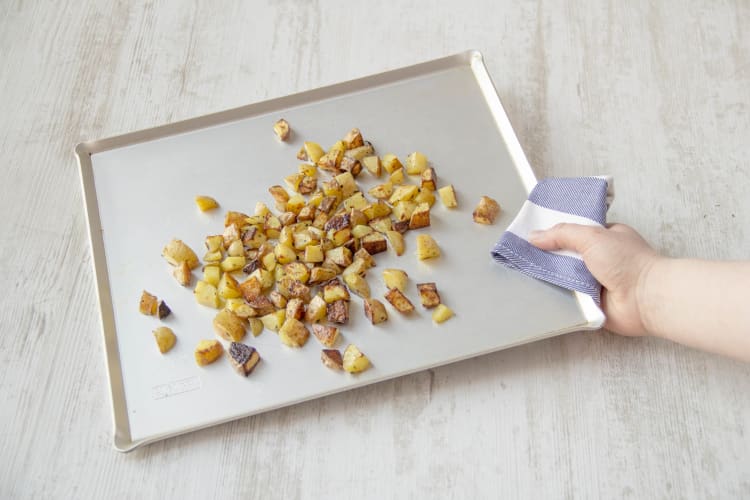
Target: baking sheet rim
point(83, 151)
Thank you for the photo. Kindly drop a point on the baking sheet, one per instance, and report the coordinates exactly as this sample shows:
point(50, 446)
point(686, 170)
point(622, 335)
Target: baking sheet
point(139, 191)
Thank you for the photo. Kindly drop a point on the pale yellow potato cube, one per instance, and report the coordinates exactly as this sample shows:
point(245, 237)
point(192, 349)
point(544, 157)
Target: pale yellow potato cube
point(427, 248)
point(355, 360)
point(442, 313)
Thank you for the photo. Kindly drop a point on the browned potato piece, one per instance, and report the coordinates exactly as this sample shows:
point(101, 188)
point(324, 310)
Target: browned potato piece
point(278, 300)
point(331, 161)
point(316, 310)
point(287, 218)
point(326, 334)
point(400, 226)
point(399, 301)
point(365, 256)
point(338, 312)
point(282, 129)
point(334, 290)
point(208, 351)
point(351, 165)
point(295, 308)
point(176, 251)
point(293, 333)
point(375, 311)
point(353, 139)
point(279, 194)
point(420, 217)
point(233, 217)
point(244, 358)
point(262, 305)
point(251, 288)
point(374, 243)
point(182, 273)
point(321, 274)
point(229, 326)
point(332, 359)
point(163, 310)
point(486, 211)
point(149, 304)
point(308, 185)
point(340, 256)
point(428, 294)
point(429, 179)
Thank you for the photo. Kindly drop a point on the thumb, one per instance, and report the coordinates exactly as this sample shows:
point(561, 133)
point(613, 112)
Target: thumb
point(566, 236)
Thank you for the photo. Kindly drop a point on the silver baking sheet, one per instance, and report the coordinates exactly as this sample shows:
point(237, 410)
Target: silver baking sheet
point(139, 190)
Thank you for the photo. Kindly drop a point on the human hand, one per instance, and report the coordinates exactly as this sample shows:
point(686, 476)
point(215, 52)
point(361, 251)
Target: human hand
point(619, 258)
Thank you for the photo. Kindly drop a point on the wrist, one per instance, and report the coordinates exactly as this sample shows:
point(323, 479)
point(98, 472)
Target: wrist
point(647, 292)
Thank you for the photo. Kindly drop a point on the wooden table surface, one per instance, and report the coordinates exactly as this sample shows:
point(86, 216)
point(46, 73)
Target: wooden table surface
point(656, 94)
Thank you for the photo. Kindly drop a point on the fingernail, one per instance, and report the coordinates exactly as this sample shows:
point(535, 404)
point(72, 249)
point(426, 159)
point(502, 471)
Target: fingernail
point(536, 234)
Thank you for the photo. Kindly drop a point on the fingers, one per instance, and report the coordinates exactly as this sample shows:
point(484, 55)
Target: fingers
point(566, 237)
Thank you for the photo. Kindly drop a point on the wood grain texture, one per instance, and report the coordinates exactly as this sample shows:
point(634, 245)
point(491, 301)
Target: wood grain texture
point(655, 94)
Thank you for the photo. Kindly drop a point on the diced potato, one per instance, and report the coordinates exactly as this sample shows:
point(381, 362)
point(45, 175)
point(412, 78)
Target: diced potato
point(441, 313)
point(429, 179)
point(213, 257)
point(279, 194)
point(334, 290)
point(374, 243)
point(320, 275)
point(262, 305)
point(205, 203)
point(340, 236)
point(162, 310)
point(295, 308)
point(313, 254)
point(427, 248)
point(338, 312)
point(176, 251)
point(206, 294)
point(241, 308)
point(397, 176)
point(372, 164)
point(293, 333)
point(278, 300)
point(297, 271)
point(331, 160)
point(326, 334)
point(403, 210)
point(182, 273)
point(360, 152)
point(420, 217)
point(284, 254)
point(425, 196)
point(234, 218)
point(399, 301)
point(308, 170)
point(352, 165)
point(265, 278)
point(381, 225)
point(229, 326)
point(212, 275)
point(256, 326)
point(208, 351)
point(428, 294)
point(382, 191)
point(261, 209)
point(274, 320)
point(228, 287)
point(307, 213)
point(231, 264)
point(357, 217)
point(287, 218)
point(416, 163)
point(347, 183)
point(403, 193)
point(282, 130)
point(254, 237)
point(391, 163)
point(165, 338)
point(149, 304)
point(376, 210)
point(400, 226)
point(354, 360)
point(356, 200)
point(396, 240)
point(332, 359)
point(357, 284)
point(269, 261)
point(250, 289)
point(331, 189)
point(359, 267)
point(316, 310)
point(486, 211)
point(296, 203)
point(235, 249)
point(313, 151)
point(360, 231)
point(244, 358)
point(395, 278)
point(353, 139)
point(375, 311)
point(214, 243)
point(341, 256)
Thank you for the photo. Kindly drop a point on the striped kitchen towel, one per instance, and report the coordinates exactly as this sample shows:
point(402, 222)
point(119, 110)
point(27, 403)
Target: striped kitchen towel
point(581, 200)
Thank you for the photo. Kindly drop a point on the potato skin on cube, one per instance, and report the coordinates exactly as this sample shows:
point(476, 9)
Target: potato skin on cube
point(428, 294)
point(375, 311)
point(326, 334)
point(487, 211)
point(293, 333)
point(282, 129)
point(332, 359)
point(244, 358)
point(338, 312)
point(399, 301)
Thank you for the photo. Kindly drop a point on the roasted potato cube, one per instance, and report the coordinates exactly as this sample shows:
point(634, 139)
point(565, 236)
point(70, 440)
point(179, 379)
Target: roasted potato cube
point(205, 203)
point(376, 210)
point(486, 211)
point(206, 294)
point(403, 210)
point(284, 254)
point(250, 289)
point(399, 301)
point(381, 224)
point(338, 312)
point(365, 256)
point(429, 179)
point(347, 183)
point(212, 275)
point(334, 290)
point(307, 213)
point(427, 248)
point(308, 170)
point(320, 275)
point(357, 217)
point(340, 256)
point(332, 359)
point(355, 201)
point(313, 152)
point(397, 176)
point(279, 194)
point(375, 311)
point(231, 263)
point(274, 320)
point(360, 152)
point(296, 203)
point(353, 139)
point(382, 191)
point(416, 163)
point(213, 257)
point(357, 284)
point(360, 231)
point(403, 193)
point(182, 274)
point(214, 243)
point(308, 185)
point(253, 238)
point(244, 358)
point(442, 313)
point(256, 326)
point(165, 338)
point(327, 204)
point(235, 249)
point(268, 261)
point(313, 254)
point(287, 218)
point(391, 163)
point(176, 252)
point(374, 243)
point(262, 305)
point(163, 310)
point(208, 351)
point(395, 278)
point(320, 220)
point(340, 236)
point(228, 287)
point(236, 218)
point(396, 240)
point(231, 233)
point(265, 278)
point(241, 308)
point(326, 334)
point(339, 221)
point(299, 290)
point(420, 217)
point(400, 226)
point(331, 160)
point(277, 299)
point(229, 326)
point(295, 308)
point(428, 294)
point(293, 333)
point(316, 310)
point(425, 196)
point(372, 164)
point(282, 130)
point(352, 165)
point(149, 304)
point(354, 360)
point(297, 271)
point(359, 266)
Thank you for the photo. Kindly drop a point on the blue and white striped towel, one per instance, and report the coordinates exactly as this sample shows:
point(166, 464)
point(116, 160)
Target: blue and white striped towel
point(580, 200)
